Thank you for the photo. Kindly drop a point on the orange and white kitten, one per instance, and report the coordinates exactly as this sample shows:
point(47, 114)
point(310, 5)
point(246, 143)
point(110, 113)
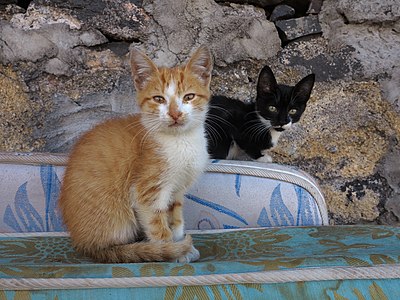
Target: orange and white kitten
point(123, 188)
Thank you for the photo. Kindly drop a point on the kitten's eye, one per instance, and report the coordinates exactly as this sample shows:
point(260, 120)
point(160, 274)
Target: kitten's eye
point(272, 108)
point(188, 97)
point(159, 99)
point(292, 111)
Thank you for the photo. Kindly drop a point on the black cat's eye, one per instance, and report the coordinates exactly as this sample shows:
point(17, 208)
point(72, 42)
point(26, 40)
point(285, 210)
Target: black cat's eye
point(292, 111)
point(272, 108)
point(159, 99)
point(188, 97)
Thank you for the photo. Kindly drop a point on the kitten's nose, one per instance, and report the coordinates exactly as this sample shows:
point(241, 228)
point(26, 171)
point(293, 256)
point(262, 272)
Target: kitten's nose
point(173, 111)
point(175, 115)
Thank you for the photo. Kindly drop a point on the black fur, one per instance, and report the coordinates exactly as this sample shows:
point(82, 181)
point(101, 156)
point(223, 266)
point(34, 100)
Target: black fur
point(250, 124)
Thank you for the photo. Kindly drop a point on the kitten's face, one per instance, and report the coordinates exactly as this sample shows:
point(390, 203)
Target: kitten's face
point(172, 100)
point(280, 105)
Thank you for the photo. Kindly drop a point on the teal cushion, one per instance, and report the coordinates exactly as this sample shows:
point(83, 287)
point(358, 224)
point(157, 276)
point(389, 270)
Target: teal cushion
point(353, 262)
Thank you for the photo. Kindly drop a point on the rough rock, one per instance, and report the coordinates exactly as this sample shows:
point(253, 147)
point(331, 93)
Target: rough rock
point(116, 19)
point(77, 111)
point(7, 11)
point(391, 88)
point(282, 12)
point(78, 84)
point(376, 45)
point(391, 171)
point(316, 56)
point(300, 6)
point(343, 151)
point(371, 28)
point(56, 42)
point(234, 33)
point(37, 16)
point(58, 67)
point(6, 2)
point(237, 81)
point(101, 89)
point(295, 28)
point(315, 7)
point(17, 44)
point(377, 50)
point(18, 114)
point(259, 3)
point(371, 11)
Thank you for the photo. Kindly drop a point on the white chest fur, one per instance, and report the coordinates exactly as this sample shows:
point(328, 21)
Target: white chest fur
point(186, 156)
point(235, 152)
point(275, 136)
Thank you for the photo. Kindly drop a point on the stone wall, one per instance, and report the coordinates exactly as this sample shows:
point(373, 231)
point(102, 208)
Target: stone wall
point(64, 68)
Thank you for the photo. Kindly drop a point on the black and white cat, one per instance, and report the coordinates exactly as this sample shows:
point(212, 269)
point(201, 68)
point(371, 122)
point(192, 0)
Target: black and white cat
point(234, 127)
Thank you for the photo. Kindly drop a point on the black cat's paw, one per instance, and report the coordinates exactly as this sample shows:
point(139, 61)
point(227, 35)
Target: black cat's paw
point(265, 158)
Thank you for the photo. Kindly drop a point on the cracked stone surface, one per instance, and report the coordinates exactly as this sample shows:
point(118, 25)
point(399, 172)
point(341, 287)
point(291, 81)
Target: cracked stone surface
point(376, 45)
point(375, 11)
point(282, 12)
point(34, 48)
point(346, 152)
point(259, 3)
point(296, 28)
point(19, 116)
point(233, 33)
point(116, 19)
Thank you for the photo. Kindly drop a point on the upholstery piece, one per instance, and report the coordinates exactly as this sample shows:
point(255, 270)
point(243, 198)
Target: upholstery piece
point(230, 194)
point(324, 262)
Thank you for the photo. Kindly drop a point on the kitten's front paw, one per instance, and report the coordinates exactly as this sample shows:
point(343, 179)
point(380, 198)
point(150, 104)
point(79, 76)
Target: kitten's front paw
point(265, 158)
point(191, 256)
point(178, 233)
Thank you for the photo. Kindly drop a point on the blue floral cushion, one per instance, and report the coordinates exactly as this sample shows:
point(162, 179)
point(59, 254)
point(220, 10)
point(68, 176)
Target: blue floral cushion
point(229, 195)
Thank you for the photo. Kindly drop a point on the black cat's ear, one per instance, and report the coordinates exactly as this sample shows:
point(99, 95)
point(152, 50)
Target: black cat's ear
point(266, 81)
point(302, 90)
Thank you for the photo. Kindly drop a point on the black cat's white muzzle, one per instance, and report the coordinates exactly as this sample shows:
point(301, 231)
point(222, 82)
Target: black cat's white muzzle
point(281, 128)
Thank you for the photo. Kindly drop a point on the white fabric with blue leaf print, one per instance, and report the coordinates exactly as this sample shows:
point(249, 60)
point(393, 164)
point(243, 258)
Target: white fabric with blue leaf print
point(219, 200)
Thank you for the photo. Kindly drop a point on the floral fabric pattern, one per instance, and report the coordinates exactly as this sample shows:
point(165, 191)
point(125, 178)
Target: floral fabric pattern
point(225, 252)
point(29, 195)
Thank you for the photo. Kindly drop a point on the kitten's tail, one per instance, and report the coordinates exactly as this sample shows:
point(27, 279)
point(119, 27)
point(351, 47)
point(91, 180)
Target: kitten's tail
point(143, 252)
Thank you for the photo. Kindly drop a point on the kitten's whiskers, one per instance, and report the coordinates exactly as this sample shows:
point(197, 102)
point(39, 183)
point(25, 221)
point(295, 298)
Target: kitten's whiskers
point(150, 132)
point(221, 108)
point(255, 131)
point(213, 133)
point(210, 122)
point(219, 118)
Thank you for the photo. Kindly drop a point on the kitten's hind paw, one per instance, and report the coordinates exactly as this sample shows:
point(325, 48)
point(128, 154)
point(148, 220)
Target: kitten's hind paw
point(191, 256)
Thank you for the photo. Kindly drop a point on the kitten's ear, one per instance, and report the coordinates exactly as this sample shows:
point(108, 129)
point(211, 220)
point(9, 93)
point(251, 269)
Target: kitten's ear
point(142, 68)
point(302, 90)
point(266, 81)
point(201, 64)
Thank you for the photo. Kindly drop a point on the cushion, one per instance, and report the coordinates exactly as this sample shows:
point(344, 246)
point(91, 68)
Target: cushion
point(230, 194)
point(323, 262)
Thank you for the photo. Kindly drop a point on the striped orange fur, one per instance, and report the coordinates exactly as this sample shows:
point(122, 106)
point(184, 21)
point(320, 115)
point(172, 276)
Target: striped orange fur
point(123, 188)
